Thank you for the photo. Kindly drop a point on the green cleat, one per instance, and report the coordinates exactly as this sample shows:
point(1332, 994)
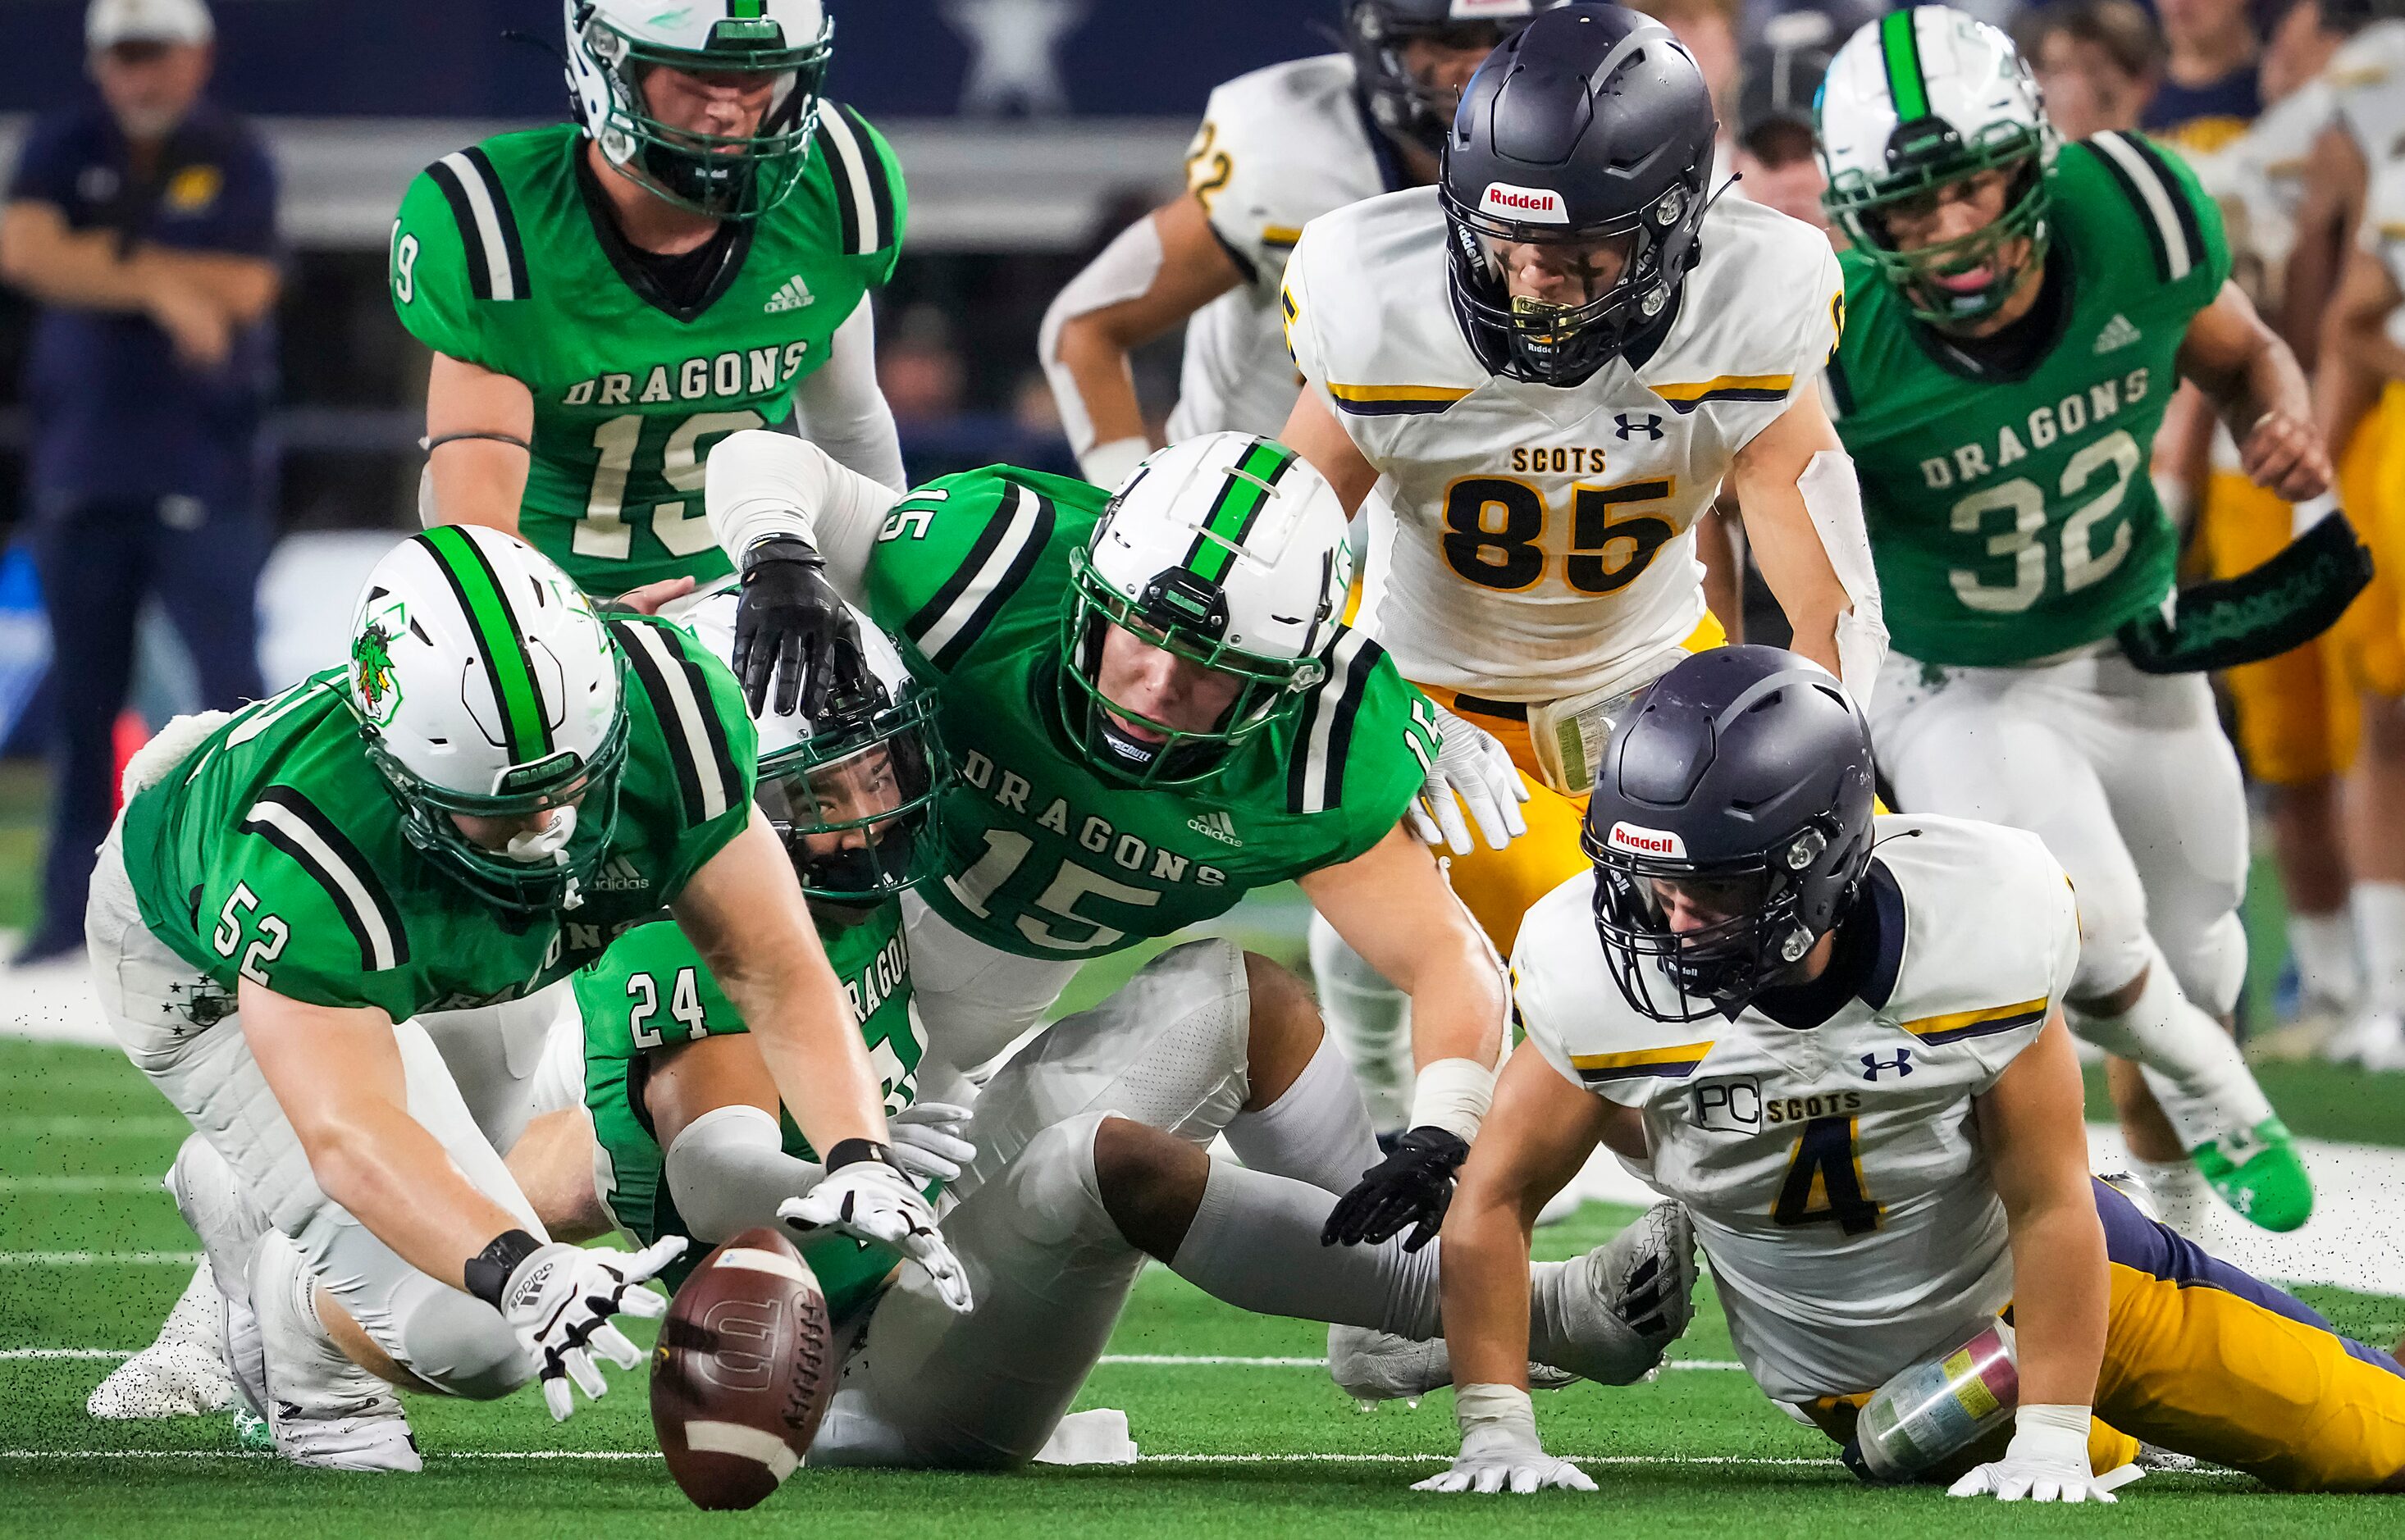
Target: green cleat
point(2257, 1172)
point(250, 1432)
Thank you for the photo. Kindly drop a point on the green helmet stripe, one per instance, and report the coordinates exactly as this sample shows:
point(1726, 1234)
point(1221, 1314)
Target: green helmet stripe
point(1241, 499)
point(507, 667)
point(747, 10)
point(1901, 49)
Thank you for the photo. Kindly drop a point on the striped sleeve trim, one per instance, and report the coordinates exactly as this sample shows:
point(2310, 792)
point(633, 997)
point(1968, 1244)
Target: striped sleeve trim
point(863, 199)
point(2163, 209)
point(1404, 400)
point(707, 777)
point(497, 264)
point(292, 823)
point(1676, 1061)
point(1957, 1026)
point(1685, 398)
point(1005, 552)
point(1316, 778)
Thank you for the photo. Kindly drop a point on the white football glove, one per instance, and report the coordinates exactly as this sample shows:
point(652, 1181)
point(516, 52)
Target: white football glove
point(559, 1301)
point(1471, 766)
point(1500, 1451)
point(2046, 1462)
point(873, 1201)
point(930, 1141)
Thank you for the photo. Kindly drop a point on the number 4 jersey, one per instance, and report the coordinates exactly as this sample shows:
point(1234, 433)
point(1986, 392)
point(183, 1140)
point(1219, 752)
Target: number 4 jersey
point(2011, 513)
point(504, 256)
point(1835, 1173)
point(1049, 857)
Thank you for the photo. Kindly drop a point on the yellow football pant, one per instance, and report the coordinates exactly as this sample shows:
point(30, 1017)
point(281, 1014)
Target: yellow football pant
point(1499, 887)
point(2206, 1359)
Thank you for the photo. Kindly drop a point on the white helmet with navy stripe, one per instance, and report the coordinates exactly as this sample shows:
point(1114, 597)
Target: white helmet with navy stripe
point(613, 44)
point(487, 689)
point(1231, 551)
point(1918, 99)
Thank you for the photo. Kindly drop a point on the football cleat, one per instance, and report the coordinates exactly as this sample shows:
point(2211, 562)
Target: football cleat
point(2374, 1039)
point(1372, 1366)
point(182, 1374)
point(2257, 1173)
point(322, 1409)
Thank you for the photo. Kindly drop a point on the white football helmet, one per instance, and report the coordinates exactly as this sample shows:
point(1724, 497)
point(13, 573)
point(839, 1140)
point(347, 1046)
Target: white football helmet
point(851, 791)
point(611, 45)
point(1229, 551)
point(1918, 99)
point(485, 685)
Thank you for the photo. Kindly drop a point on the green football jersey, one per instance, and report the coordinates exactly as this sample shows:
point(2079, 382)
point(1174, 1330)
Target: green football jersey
point(1046, 856)
point(651, 990)
point(275, 852)
point(2013, 517)
point(503, 256)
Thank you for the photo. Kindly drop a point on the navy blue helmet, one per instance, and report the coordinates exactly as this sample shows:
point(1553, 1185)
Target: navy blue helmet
point(1406, 106)
point(1730, 828)
point(1591, 128)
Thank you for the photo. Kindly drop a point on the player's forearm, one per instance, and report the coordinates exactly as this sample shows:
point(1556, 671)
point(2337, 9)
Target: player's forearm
point(1485, 1288)
point(1804, 522)
point(1717, 548)
point(763, 484)
point(804, 1025)
point(395, 1178)
point(2061, 1297)
point(246, 287)
point(59, 267)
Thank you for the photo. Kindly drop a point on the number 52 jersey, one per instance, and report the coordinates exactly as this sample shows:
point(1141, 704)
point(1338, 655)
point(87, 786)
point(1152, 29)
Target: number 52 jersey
point(1539, 544)
point(1835, 1173)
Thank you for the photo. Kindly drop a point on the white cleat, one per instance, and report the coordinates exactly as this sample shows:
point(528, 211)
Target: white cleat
point(2371, 1034)
point(182, 1374)
point(2384, 1043)
point(322, 1409)
point(1374, 1366)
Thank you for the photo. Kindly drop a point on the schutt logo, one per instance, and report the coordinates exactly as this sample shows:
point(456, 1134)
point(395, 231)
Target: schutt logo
point(1646, 842)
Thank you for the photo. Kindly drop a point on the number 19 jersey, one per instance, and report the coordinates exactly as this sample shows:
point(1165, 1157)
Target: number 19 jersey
point(502, 256)
point(1835, 1173)
point(1540, 542)
point(2012, 516)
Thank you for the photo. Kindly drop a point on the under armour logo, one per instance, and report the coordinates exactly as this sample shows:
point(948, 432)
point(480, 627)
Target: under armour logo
point(1650, 426)
point(1873, 1065)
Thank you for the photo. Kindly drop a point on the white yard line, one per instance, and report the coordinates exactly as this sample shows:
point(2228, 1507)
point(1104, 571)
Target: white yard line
point(105, 1354)
point(82, 1184)
point(99, 1259)
point(92, 1126)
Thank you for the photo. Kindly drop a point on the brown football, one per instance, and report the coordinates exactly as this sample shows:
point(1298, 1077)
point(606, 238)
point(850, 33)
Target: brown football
point(743, 1371)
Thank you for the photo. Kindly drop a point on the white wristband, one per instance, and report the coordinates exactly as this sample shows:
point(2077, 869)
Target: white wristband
point(1483, 1408)
point(1108, 465)
point(2051, 1436)
point(1454, 1095)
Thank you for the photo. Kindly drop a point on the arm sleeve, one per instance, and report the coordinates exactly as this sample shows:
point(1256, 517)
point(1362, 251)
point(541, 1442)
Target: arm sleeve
point(842, 409)
point(762, 484)
point(728, 1172)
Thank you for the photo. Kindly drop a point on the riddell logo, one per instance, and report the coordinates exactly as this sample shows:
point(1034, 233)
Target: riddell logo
point(1646, 842)
point(1528, 205)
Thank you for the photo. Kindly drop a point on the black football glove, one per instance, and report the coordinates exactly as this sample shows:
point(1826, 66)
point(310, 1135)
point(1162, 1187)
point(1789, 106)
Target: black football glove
point(1412, 1185)
point(792, 627)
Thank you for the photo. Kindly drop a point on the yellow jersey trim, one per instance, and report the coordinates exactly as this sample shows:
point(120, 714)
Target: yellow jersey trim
point(1955, 1026)
point(1675, 1062)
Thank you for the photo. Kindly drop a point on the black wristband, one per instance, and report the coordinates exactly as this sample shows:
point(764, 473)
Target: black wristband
point(488, 1271)
point(780, 548)
point(851, 1150)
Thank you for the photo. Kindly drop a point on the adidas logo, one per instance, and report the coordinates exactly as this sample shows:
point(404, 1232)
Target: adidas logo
point(2117, 333)
point(793, 295)
point(620, 877)
point(1220, 826)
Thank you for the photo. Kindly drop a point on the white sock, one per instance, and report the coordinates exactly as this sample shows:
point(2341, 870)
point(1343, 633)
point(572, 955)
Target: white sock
point(2181, 1198)
point(1255, 1245)
point(1370, 1021)
point(2380, 923)
point(2324, 948)
point(2192, 1066)
point(1317, 1132)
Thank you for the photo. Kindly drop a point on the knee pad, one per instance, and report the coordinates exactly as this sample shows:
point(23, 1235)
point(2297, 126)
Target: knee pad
point(1056, 1193)
point(458, 1343)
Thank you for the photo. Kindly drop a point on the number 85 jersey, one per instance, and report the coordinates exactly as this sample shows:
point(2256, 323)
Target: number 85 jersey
point(1834, 1172)
point(1538, 543)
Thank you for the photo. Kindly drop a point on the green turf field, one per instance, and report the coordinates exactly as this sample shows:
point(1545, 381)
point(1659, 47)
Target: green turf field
point(1249, 1449)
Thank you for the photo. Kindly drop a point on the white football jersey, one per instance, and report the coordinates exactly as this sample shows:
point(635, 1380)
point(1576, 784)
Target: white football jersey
point(1540, 541)
point(1277, 149)
point(2262, 176)
point(2368, 73)
point(1834, 1174)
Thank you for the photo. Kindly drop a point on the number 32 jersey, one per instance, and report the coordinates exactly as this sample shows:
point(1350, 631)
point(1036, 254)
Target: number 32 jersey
point(1835, 1173)
point(2011, 516)
point(503, 256)
point(1538, 543)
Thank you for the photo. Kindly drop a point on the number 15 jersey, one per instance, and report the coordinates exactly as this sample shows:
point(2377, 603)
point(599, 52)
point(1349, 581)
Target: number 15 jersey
point(1835, 1173)
point(1538, 543)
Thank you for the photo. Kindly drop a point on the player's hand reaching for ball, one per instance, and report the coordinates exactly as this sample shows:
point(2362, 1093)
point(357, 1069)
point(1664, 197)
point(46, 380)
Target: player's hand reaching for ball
point(559, 1298)
point(868, 1197)
point(2284, 453)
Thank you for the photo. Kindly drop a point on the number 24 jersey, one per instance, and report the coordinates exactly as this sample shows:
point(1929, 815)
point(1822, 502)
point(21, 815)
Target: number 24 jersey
point(1834, 1174)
